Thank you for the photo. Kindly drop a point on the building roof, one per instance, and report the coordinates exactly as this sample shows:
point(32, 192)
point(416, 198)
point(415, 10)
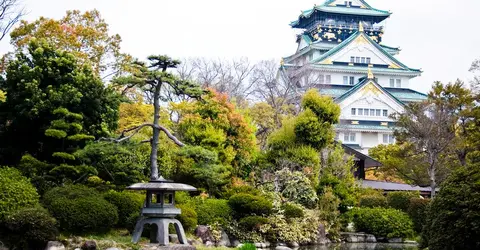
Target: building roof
point(365, 82)
point(329, 7)
point(392, 186)
point(362, 34)
point(404, 95)
point(369, 161)
point(363, 127)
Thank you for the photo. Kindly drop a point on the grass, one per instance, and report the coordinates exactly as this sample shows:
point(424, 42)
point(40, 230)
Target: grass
point(119, 238)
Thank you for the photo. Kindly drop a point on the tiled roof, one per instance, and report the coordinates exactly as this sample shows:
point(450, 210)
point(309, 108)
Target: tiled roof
point(404, 95)
point(392, 186)
point(365, 128)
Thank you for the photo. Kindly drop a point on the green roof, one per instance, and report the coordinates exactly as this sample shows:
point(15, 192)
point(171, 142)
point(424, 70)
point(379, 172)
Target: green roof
point(325, 7)
point(362, 127)
point(351, 39)
point(404, 95)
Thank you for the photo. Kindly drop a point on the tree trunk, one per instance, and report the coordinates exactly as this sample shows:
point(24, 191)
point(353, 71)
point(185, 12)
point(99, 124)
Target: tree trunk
point(156, 134)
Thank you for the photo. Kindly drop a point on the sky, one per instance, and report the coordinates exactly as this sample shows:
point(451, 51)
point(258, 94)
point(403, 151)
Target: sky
point(439, 36)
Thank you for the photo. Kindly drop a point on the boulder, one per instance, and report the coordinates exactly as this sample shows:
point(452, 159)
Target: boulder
point(410, 242)
point(209, 244)
point(322, 236)
point(55, 245)
point(89, 245)
point(358, 238)
point(203, 232)
point(194, 242)
point(235, 243)
point(224, 240)
point(169, 247)
point(293, 244)
point(395, 240)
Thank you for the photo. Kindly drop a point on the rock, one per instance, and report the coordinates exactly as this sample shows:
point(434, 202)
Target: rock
point(235, 243)
point(322, 236)
point(203, 232)
point(280, 244)
point(89, 245)
point(282, 248)
point(224, 240)
point(169, 247)
point(209, 244)
point(267, 244)
point(173, 238)
point(293, 244)
point(55, 245)
point(395, 240)
point(240, 245)
point(358, 238)
point(194, 242)
point(410, 242)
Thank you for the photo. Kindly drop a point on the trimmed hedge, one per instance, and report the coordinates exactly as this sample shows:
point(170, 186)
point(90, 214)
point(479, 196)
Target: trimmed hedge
point(292, 210)
point(16, 192)
point(252, 222)
point(80, 209)
point(188, 217)
point(372, 201)
point(246, 204)
point(382, 222)
point(127, 203)
point(401, 200)
point(211, 211)
point(30, 228)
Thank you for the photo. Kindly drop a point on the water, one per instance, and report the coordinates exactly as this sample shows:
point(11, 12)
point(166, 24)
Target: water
point(362, 246)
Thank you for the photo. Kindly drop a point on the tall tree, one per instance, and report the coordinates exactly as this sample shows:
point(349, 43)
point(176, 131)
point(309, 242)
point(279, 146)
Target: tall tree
point(85, 35)
point(10, 13)
point(39, 81)
point(159, 85)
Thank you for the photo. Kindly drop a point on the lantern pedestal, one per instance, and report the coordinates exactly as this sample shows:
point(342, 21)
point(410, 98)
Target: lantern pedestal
point(159, 211)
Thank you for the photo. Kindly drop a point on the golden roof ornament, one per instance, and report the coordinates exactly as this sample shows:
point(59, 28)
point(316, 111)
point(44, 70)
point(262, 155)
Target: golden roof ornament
point(360, 27)
point(370, 74)
point(282, 62)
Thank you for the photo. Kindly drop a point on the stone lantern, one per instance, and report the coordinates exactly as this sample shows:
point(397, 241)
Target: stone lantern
point(159, 211)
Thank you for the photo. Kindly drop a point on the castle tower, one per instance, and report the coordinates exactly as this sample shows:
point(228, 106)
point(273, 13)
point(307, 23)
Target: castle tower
point(341, 46)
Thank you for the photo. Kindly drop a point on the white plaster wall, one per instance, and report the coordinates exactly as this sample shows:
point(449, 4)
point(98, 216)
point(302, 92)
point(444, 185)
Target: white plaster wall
point(369, 140)
point(383, 80)
point(361, 50)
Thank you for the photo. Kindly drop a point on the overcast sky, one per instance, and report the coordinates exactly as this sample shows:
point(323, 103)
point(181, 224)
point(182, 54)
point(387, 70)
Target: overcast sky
point(439, 36)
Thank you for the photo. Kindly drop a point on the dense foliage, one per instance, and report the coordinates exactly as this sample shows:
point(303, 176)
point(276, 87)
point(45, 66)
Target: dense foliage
point(454, 215)
point(372, 201)
point(401, 200)
point(30, 228)
point(418, 212)
point(127, 204)
point(16, 192)
point(383, 222)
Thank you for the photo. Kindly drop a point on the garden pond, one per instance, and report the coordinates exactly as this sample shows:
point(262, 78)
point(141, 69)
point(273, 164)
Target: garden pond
point(362, 246)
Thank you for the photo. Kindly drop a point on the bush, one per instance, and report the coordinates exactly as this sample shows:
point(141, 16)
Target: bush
point(87, 214)
point(248, 246)
point(417, 210)
point(292, 210)
point(188, 218)
point(16, 192)
point(69, 192)
point(252, 222)
point(127, 203)
point(30, 228)
point(401, 200)
point(211, 211)
point(383, 222)
point(454, 215)
point(247, 204)
point(373, 201)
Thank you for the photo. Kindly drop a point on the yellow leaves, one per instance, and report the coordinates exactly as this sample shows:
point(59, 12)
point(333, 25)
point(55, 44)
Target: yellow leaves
point(134, 114)
point(3, 97)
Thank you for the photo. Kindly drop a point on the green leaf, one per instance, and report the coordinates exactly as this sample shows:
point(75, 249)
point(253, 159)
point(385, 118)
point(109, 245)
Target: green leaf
point(63, 155)
point(59, 134)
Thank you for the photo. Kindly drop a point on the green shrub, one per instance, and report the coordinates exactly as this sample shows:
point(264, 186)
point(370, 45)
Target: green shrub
point(183, 198)
point(247, 246)
point(382, 222)
point(69, 192)
point(401, 200)
point(88, 214)
point(454, 214)
point(292, 210)
point(127, 203)
point(16, 192)
point(30, 228)
point(247, 204)
point(240, 189)
point(211, 211)
point(252, 222)
point(188, 218)
point(373, 201)
point(417, 210)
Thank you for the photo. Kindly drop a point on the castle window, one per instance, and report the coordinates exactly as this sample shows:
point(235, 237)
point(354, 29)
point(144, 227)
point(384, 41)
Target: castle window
point(385, 113)
point(328, 79)
point(357, 59)
point(352, 80)
point(392, 83)
point(321, 79)
point(345, 80)
point(378, 112)
point(368, 60)
point(388, 139)
point(372, 112)
point(363, 59)
point(354, 111)
point(352, 59)
point(360, 111)
point(399, 83)
point(349, 137)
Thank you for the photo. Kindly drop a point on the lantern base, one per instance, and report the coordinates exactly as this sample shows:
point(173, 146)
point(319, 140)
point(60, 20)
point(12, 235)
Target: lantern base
point(159, 235)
